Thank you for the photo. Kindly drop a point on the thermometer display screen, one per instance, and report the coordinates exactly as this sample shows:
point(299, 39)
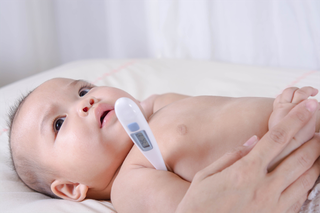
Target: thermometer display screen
point(142, 140)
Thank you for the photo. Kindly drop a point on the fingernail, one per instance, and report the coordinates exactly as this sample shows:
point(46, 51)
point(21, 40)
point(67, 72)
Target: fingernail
point(311, 105)
point(253, 140)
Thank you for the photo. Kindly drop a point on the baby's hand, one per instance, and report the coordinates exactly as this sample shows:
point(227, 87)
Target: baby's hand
point(288, 99)
point(282, 105)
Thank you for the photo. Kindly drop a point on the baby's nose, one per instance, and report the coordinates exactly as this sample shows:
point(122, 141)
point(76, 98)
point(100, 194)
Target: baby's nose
point(86, 105)
point(91, 102)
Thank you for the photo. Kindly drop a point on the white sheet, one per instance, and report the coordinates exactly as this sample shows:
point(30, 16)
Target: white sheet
point(141, 78)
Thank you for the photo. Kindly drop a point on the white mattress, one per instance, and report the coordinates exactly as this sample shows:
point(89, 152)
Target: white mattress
point(140, 78)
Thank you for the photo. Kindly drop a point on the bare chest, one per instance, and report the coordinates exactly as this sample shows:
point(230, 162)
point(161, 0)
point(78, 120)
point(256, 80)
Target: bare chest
point(195, 132)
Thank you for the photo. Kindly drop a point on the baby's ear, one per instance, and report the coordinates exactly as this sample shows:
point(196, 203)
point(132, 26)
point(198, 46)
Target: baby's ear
point(68, 190)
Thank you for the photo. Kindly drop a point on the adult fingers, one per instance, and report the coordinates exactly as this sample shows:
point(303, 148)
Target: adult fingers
point(298, 163)
point(302, 185)
point(297, 205)
point(227, 159)
point(274, 141)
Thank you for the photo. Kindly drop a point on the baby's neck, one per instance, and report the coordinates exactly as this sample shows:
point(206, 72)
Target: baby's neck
point(103, 194)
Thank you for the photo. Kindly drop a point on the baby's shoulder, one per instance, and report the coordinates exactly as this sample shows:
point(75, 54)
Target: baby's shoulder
point(135, 163)
point(138, 186)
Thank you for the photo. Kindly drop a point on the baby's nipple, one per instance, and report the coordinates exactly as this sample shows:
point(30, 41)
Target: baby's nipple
point(182, 129)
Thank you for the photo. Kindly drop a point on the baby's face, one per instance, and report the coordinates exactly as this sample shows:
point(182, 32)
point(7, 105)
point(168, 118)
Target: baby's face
point(71, 127)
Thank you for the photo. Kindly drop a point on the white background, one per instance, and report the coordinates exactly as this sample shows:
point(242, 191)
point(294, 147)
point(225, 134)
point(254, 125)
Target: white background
point(36, 35)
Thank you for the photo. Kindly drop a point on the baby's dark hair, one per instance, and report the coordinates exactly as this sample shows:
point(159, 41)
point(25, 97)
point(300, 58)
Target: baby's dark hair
point(30, 172)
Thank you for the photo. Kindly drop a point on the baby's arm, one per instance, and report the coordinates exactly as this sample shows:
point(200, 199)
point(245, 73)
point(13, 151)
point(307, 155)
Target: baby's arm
point(141, 189)
point(156, 102)
point(283, 104)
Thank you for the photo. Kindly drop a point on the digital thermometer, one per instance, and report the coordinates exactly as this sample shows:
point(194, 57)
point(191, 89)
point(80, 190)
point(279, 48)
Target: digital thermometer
point(135, 124)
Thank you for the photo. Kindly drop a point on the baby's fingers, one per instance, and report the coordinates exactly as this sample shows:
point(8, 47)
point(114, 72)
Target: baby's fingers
point(303, 94)
point(296, 95)
point(287, 95)
point(278, 137)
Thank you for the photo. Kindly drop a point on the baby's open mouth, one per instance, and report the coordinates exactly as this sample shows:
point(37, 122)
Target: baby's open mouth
point(104, 114)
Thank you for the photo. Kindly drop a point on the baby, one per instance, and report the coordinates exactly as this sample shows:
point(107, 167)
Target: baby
point(67, 142)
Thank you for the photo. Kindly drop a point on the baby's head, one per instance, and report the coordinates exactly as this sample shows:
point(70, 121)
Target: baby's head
point(66, 140)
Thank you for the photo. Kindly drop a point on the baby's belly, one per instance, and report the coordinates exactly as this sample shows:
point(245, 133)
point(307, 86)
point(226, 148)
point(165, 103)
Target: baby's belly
point(191, 137)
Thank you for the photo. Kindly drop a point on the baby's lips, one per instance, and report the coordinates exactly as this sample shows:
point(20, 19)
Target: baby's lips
point(100, 109)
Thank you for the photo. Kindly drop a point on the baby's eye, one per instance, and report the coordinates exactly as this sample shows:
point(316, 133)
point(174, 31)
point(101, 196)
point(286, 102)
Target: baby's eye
point(85, 88)
point(58, 124)
point(83, 91)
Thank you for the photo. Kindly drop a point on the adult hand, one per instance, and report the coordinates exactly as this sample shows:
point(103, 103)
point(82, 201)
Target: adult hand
point(239, 181)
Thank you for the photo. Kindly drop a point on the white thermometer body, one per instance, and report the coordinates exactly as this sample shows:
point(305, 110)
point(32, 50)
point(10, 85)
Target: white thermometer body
point(135, 124)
